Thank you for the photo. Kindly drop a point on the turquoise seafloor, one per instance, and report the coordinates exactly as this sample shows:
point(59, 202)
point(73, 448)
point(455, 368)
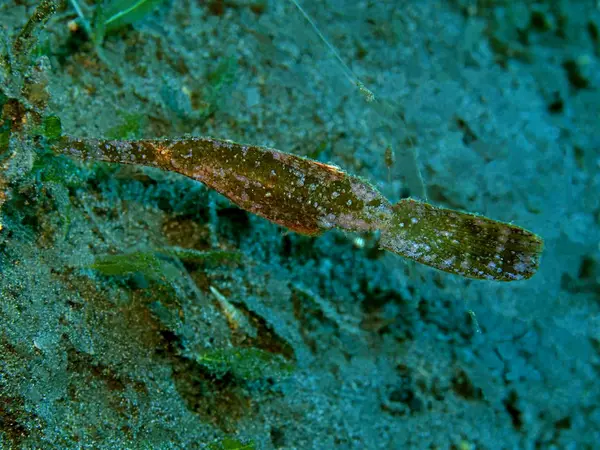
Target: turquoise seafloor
point(139, 310)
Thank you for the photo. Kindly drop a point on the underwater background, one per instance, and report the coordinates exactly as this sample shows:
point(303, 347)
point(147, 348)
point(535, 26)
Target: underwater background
point(139, 309)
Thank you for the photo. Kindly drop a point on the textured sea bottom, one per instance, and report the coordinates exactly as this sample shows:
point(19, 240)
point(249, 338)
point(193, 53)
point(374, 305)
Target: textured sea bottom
point(138, 309)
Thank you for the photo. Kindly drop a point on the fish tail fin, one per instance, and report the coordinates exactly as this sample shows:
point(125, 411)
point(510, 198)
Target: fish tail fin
point(465, 244)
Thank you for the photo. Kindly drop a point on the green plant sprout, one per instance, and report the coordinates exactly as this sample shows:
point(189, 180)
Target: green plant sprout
point(119, 13)
point(113, 15)
point(310, 197)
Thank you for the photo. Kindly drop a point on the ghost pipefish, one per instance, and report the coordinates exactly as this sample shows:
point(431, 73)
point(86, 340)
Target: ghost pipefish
point(310, 197)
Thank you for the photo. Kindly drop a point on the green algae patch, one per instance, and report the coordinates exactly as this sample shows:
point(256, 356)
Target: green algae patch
point(126, 264)
point(202, 256)
point(231, 444)
point(245, 363)
point(52, 127)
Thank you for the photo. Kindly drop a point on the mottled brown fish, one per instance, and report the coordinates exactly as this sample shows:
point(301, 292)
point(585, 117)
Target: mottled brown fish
point(310, 197)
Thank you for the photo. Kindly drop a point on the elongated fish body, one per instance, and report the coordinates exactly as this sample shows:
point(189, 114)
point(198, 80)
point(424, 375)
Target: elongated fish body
point(310, 197)
point(303, 195)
